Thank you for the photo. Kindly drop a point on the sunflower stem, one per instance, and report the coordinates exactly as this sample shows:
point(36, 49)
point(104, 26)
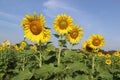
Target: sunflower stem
point(59, 55)
point(23, 62)
point(93, 67)
point(40, 56)
point(71, 45)
point(60, 49)
point(40, 63)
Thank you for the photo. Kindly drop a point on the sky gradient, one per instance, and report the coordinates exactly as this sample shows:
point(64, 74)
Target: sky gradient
point(94, 16)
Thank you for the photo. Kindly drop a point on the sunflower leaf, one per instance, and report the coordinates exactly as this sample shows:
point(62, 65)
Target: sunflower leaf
point(56, 35)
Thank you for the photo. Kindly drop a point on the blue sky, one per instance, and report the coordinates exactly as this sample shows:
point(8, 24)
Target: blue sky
point(94, 16)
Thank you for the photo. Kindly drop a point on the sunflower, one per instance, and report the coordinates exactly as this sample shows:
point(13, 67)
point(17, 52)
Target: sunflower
point(1, 48)
point(116, 53)
point(96, 41)
point(33, 47)
point(75, 34)
point(107, 55)
point(108, 61)
point(100, 54)
point(6, 44)
point(85, 46)
point(63, 23)
point(23, 44)
point(16, 46)
point(33, 27)
point(46, 36)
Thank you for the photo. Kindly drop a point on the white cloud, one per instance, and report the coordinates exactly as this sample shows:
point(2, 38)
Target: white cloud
point(55, 4)
point(53, 7)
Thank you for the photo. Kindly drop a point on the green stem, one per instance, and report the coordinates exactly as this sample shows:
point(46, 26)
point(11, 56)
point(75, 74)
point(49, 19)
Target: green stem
point(71, 45)
point(40, 56)
point(1, 55)
point(60, 49)
point(40, 59)
point(24, 61)
point(23, 67)
point(93, 67)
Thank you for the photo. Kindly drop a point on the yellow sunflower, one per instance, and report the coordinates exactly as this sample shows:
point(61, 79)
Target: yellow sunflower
point(116, 53)
point(108, 61)
point(75, 34)
point(16, 46)
point(63, 23)
point(100, 54)
point(33, 47)
point(33, 27)
point(1, 48)
point(23, 44)
point(96, 41)
point(85, 46)
point(46, 36)
point(107, 55)
point(6, 44)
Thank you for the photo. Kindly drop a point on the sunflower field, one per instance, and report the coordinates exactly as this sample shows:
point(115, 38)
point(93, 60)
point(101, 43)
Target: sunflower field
point(43, 61)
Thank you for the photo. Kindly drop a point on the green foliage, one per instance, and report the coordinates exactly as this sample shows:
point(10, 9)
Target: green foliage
point(23, 75)
point(74, 65)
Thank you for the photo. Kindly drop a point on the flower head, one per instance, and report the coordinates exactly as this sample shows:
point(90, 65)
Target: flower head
point(86, 47)
point(75, 34)
point(33, 47)
point(46, 36)
point(1, 48)
point(117, 53)
point(6, 44)
point(108, 61)
point(100, 54)
point(16, 46)
point(96, 41)
point(63, 23)
point(33, 27)
point(107, 55)
point(23, 44)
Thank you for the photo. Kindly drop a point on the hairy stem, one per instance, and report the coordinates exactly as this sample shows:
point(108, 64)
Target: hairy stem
point(60, 49)
point(93, 67)
point(71, 45)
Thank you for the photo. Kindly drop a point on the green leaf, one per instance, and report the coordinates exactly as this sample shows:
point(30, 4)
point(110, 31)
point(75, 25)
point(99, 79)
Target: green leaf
point(62, 42)
point(71, 55)
point(78, 66)
point(23, 75)
point(51, 47)
point(105, 75)
point(56, 35)
point(82, 77)
point(45, 71)
point(1, 75)
point(68, 78)
point(46, 27)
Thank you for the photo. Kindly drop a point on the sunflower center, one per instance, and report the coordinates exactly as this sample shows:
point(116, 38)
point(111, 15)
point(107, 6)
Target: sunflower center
point(74, 34)
point(63, 24)
point(96, 42)
point(35, 27)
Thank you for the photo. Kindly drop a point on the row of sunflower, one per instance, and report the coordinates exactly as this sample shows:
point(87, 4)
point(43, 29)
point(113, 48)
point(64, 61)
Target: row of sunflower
point(43, 61)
